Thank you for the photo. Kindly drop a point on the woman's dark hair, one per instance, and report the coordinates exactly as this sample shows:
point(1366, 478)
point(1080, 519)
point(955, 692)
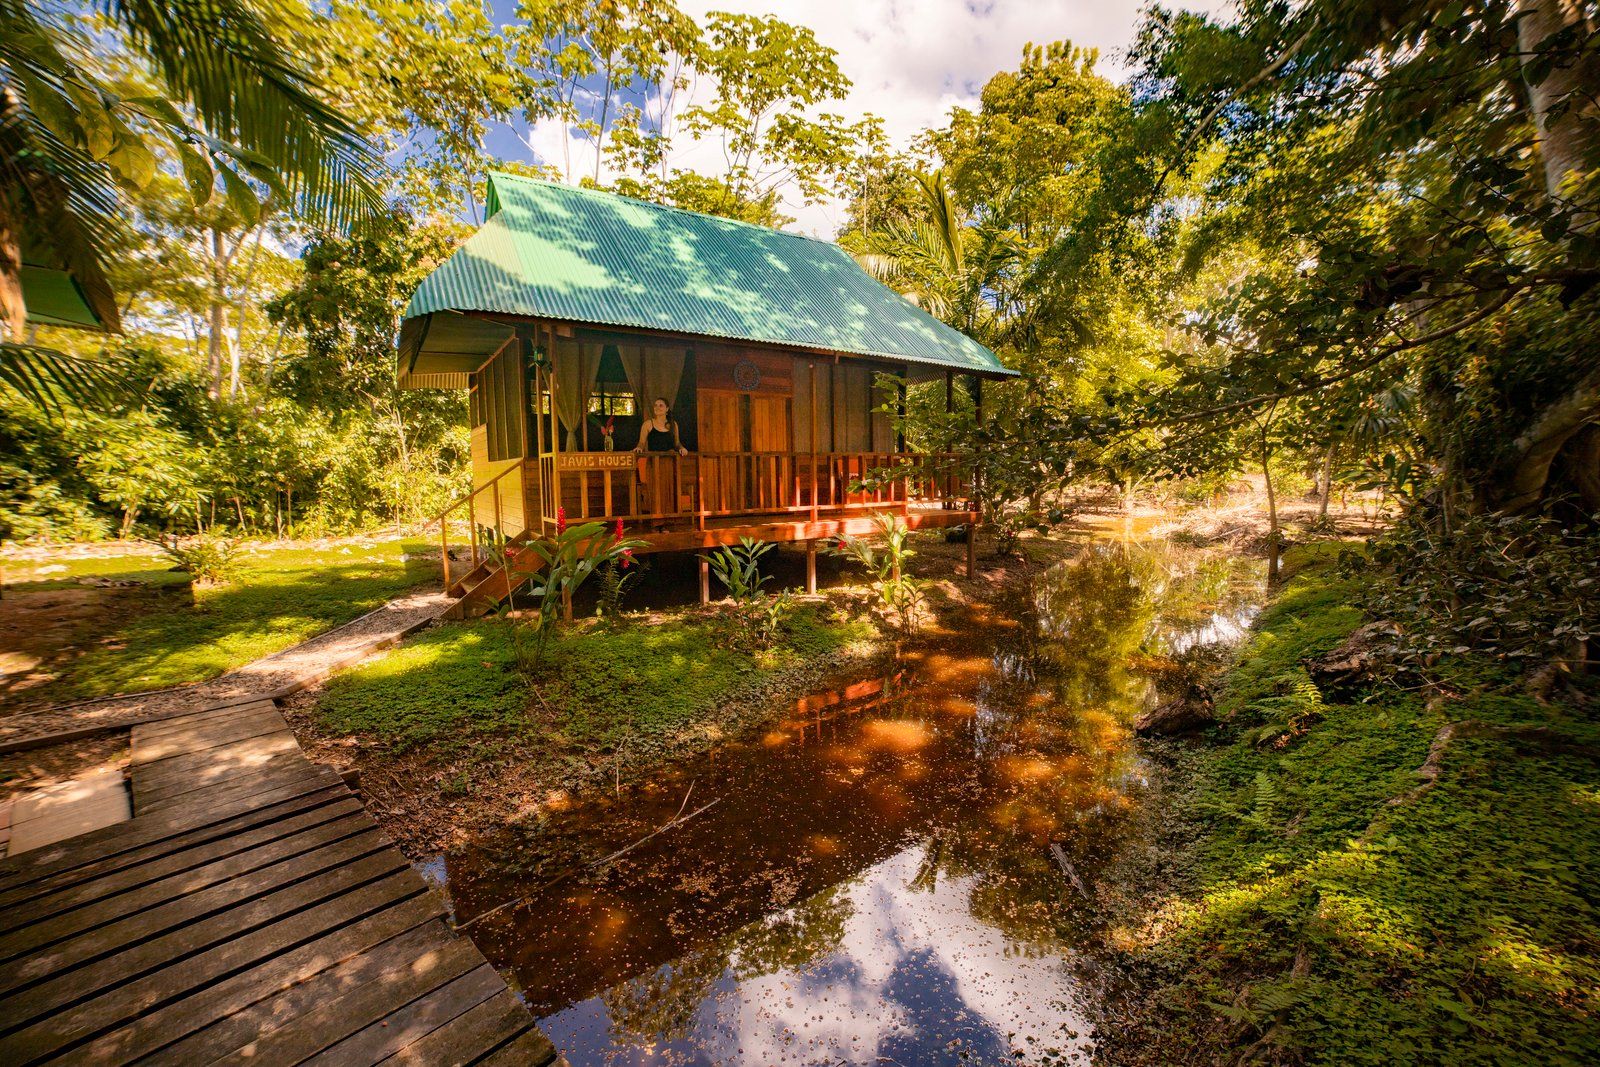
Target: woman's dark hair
point(671, 423)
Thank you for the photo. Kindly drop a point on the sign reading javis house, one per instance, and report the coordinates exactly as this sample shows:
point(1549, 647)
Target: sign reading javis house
point(597, 461)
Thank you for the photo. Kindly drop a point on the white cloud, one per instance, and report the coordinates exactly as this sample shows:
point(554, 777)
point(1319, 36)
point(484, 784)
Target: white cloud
point(911, 61)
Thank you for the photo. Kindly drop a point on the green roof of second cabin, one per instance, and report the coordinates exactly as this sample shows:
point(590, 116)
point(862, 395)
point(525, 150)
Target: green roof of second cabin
point(557, 252)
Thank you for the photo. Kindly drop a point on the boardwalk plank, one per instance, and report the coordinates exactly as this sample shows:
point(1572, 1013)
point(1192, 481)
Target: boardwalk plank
point(347, 1014)
point(497, 1022)
point(296, 917)
point(197, 770)
point(382, 1038)
point(251, 911)
point(223, 1016)
point(175, 857)
point(280, 771)
point(532, 1049)
point(180, 894)
point(61, 974)
point(146, 750)
point(201, 720)
point(181, 723)
point(93, 853)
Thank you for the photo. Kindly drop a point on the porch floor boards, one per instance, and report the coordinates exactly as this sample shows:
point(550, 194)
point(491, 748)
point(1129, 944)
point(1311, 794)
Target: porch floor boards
point(682, 534)
point(251, 910)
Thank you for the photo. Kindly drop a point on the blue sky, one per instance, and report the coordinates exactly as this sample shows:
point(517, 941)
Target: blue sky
point(911, 61)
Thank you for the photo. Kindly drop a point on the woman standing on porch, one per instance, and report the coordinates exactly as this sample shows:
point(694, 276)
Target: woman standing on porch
point(660, 431)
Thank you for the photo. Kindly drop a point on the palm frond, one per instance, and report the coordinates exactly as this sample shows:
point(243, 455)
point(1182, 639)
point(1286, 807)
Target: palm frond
point(51, 379)
point(218, 57)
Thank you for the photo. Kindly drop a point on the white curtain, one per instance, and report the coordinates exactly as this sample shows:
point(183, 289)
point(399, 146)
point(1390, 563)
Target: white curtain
point(576, 366)
point(653, 372)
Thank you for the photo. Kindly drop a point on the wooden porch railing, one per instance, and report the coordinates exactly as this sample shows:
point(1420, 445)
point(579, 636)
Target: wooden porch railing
point(715, 485)
point(481, 534)
point(698, 487)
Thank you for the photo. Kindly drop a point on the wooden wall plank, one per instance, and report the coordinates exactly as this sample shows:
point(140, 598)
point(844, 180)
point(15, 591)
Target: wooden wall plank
point(714, 368)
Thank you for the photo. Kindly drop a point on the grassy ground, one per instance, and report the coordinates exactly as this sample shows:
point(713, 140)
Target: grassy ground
point(1340, 914)
point(457, 684)
point(124, 624)
point(451, 738)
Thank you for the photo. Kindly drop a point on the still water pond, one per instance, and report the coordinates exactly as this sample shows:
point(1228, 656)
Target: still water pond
point(877, 878)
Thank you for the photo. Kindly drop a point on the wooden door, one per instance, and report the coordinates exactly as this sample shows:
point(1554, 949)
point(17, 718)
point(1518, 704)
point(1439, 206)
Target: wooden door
point(772, 482)
point(732, 426)
point(721, 430)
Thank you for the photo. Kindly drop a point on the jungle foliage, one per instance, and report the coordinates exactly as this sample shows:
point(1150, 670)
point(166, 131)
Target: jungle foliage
point(1348, 909)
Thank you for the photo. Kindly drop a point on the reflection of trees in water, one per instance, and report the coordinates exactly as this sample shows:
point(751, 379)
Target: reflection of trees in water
point(1066, 693)
point(664, 1004)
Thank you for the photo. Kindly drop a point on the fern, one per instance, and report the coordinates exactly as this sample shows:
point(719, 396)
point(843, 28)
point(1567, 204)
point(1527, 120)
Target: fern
point(1263, 814)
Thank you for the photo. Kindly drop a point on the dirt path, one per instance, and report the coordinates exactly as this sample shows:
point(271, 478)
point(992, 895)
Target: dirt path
point(273, 676)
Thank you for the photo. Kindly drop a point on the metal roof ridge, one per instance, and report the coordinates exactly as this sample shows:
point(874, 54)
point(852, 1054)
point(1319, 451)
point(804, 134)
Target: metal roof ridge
point(658, 206)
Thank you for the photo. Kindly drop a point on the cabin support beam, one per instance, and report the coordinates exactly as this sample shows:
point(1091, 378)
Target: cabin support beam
point(705, 581)
point(811, 566)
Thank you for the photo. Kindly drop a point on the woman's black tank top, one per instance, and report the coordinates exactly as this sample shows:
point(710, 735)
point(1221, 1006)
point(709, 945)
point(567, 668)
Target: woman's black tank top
point(660, 440)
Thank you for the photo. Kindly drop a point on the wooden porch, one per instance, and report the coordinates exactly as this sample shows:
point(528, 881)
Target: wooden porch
point(691, 502)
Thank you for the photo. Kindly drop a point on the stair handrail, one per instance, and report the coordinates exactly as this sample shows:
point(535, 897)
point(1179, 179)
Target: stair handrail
point(470, 500)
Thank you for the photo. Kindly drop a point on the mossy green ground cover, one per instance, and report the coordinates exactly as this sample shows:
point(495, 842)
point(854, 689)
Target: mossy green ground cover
point(161, 631)
point(456, 685)
point(1330, 926)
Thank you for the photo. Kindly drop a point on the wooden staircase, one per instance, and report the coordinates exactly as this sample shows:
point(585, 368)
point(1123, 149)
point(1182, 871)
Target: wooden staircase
point(488, 583)
point(494, 542)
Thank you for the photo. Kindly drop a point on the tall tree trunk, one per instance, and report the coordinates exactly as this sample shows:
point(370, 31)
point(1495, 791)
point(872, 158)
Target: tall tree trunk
point(233, 368)
point(1327, 481)
point(1568, 141)
point(217, 316)
point(1273, 537)
point(13, 309)
point(1537, 447)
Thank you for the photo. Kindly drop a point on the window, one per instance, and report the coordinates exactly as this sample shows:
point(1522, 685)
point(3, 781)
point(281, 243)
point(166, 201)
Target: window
point(612, 394)
point(612, 398)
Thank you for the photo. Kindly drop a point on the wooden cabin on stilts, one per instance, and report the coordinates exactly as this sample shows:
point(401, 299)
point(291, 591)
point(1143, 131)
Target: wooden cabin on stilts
point(571, 311)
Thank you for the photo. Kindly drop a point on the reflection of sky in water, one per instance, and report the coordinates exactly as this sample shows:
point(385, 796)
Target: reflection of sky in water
point(1223, 628)
point(915, 979)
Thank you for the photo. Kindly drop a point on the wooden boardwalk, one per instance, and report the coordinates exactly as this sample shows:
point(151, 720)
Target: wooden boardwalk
point(250, 912)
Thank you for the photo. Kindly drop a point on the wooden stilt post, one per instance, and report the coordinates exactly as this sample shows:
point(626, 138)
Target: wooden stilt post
point(812, 371)
point(977, 514)
point(705, 581)
point(811, 565)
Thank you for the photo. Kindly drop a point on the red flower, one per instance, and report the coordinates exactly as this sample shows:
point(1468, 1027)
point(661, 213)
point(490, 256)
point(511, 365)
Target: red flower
point(619, 529)
point(627, 558)
point(561, 521)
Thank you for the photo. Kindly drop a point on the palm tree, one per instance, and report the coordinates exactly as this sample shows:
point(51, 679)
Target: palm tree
point(231, 104)
point(941, 263)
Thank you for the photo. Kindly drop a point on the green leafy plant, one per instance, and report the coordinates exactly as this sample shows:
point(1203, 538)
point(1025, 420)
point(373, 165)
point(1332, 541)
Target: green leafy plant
point(617, 577)
point(771, 613)
point(900, 596)
point(557, 567)
point(738, 568)
point(206, 559)
point(1523, 589)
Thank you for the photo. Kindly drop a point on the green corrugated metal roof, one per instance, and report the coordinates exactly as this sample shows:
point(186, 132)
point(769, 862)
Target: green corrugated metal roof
point(53, 298)
point(558, 252)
